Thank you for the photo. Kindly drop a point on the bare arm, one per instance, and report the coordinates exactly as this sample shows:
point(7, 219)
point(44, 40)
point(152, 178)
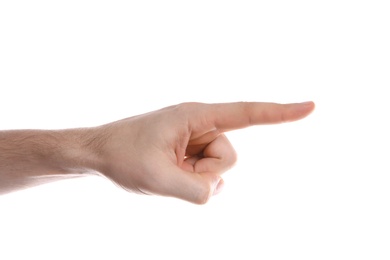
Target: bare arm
point(33, 157)
point(178, 151)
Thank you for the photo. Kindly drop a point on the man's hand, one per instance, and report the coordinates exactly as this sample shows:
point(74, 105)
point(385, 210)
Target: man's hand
point(180, 151)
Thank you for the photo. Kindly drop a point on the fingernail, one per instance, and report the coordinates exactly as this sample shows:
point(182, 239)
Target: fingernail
point(307, 103)
point(304, 106)
point(219, 187)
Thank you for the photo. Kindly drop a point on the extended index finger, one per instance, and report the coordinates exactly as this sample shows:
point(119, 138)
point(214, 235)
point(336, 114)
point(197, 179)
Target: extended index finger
point(231, 116)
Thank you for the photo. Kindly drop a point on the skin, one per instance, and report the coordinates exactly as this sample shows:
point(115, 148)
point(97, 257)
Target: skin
point(179, 151)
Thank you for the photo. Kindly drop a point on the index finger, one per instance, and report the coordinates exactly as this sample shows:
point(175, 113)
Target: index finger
point(231, 116)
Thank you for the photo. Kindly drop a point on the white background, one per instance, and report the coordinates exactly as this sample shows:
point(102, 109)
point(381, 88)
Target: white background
point(315, 189)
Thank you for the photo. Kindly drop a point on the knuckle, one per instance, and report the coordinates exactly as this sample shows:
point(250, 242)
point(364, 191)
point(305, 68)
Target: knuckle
point(183, 110)
point(187, 106)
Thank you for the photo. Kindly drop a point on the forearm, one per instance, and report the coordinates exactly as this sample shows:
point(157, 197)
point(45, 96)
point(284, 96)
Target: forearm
point(33, 157)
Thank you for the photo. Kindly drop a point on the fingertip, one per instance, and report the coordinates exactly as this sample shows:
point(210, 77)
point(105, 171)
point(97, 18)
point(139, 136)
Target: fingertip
point(219, 187)
point(193, 187)
point(212, 185)
point(308, 104)
point(299, 111)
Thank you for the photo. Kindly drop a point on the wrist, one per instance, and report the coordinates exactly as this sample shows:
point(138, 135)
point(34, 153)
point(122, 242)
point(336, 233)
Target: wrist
point(79, 150)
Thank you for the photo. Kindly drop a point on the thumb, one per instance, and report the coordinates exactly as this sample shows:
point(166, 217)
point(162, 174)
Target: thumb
point(191, 186)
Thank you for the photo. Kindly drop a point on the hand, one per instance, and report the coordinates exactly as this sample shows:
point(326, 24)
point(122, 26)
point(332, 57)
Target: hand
point(181, 151)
